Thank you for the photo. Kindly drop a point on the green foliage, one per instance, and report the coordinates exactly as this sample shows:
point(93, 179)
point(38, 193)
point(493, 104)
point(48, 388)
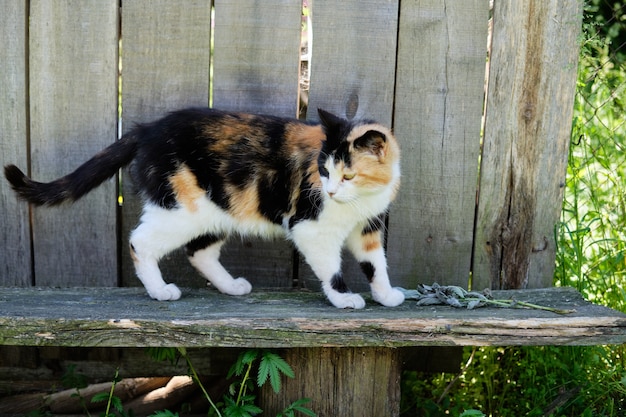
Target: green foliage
point(239, 403)
point(565, 381)
point(297, 407)
point(240, 399)
point(164, 413)
point(524, 381)
point(273, 366)
point(72, 379)
point(591, 236)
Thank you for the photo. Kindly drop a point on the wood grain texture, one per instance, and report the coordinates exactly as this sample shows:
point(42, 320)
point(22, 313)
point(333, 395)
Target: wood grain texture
point(352, 75)
point(92, 317)
point(527, 131)
point(438, 107)
point(350, 382)
point(15, 250)
point(73, 115)
point(165, 66)
point(257, 52)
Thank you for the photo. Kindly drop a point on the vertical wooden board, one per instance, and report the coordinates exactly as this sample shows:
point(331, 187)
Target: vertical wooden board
point(527, 129)
point(15, 253)
point(352, 75)
point(73, 109)
point(165, 66)
point(439, 96)
point(340, 382)
point(353, 58)
point(257, 50)
point(256, 67)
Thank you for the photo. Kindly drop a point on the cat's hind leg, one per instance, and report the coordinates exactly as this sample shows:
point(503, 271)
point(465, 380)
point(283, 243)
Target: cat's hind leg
point(148, 244)
point(160, 231)
point(366, 244)
point(204, 253)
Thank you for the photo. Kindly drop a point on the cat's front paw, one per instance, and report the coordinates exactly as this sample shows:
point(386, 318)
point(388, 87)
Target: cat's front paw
point(346, 300)
point(391, 298)
point(168, 292)
point(238, 286)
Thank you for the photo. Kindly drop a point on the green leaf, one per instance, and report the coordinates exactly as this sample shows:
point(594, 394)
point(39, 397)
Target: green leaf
point(161, 354)
point(298, 406)
point(472, 413)
point(73, 379)
point(272, 366)
point(244, 359)
point(116, 402)
point(243, 410)
point(100, 397)
point(164, 413)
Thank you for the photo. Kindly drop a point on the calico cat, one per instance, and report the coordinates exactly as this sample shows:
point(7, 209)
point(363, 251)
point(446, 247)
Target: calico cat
point(205, 174)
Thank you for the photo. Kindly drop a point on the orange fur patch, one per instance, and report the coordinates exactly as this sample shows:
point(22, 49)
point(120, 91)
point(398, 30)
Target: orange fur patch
point(229, 130)
point(302, 139)
point(299, 136)
point(371, 241)
point(185, 187)
point(244, 203)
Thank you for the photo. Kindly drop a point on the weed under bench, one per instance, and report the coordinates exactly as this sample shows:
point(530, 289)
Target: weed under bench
point(348, 361)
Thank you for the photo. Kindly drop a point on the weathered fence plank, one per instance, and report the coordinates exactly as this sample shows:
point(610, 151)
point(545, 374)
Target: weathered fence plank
point(73, 115)
point(69, 112)
point(352, 75)
point(257, 53)
point(366, 382)
point(165, 66)
point(527, 132)
point(15, 250)
point(256, 68)
point(438, 107)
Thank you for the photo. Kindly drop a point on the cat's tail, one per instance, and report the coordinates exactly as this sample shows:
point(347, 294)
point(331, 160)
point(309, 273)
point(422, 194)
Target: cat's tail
point(88, 176)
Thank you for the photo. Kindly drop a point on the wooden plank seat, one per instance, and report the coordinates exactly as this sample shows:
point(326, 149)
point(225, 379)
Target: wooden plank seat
point(343, 359)
point(126, 317)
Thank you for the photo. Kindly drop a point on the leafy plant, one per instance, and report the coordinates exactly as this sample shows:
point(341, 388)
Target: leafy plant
point(240, 399)
point(111, 400)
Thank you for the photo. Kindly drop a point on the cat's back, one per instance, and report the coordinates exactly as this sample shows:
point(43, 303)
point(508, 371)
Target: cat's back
point(225, 151)
point(229, 132)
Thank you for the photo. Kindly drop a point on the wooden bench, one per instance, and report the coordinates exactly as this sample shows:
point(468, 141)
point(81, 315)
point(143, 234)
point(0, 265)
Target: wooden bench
point(416, 66)
point(362, 350)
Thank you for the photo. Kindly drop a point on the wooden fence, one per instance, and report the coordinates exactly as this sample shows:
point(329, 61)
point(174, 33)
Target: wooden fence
point(474, 205)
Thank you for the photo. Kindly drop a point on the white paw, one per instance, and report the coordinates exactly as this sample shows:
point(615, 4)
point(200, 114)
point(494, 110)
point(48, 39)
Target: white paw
point(168, 292)
point(346, 300)
point(391, 298)
point(238, 286)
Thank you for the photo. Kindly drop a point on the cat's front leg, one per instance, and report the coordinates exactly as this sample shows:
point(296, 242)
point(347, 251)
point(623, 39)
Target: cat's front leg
point(367, 246)
point(322, 251)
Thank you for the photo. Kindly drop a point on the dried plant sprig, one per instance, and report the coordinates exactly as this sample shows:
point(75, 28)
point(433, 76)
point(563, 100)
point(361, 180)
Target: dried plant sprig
point(459, 297)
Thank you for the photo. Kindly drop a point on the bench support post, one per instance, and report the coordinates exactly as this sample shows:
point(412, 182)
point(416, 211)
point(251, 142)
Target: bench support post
point(340, 382)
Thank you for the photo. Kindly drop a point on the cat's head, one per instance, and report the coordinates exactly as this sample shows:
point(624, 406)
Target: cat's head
point(358, 159)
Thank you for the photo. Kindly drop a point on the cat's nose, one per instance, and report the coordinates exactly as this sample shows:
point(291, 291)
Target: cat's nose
point(331, 194)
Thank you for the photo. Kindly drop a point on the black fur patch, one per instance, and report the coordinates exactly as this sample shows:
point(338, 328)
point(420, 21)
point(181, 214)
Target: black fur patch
point(375, 224)
point(309, 204)
point(338, 284)
point(368, 269)
point(202, 242)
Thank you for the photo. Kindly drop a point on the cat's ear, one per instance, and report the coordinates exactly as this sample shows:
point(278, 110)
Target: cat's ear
point(372, 141)
point(330, 121)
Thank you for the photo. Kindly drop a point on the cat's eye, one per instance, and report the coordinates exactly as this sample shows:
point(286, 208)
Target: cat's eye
point(348, 176)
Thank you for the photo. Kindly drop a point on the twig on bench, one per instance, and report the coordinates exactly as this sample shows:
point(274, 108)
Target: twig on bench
point(458, 297)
